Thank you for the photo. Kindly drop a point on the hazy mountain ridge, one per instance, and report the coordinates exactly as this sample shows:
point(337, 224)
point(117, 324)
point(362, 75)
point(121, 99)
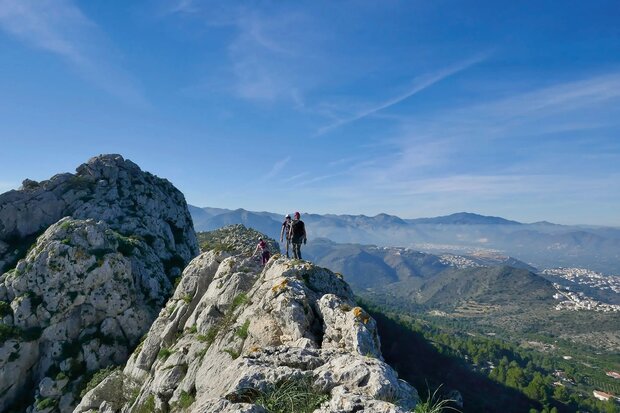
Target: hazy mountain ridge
point(540, 244)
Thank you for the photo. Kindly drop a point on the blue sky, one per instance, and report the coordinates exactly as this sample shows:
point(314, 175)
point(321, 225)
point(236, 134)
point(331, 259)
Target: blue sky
point(414, 108)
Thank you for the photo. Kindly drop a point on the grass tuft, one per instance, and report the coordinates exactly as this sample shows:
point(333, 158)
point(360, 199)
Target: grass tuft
point(242, 331)
point(232, 353)
point(297, 395)
point(185, 400)
point(96, 378)
point(164, 353)
point(435, 404)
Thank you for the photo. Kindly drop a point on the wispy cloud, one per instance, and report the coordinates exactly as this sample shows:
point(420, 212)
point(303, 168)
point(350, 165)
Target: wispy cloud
point(419, 84)
point(494, 150)
point(556, 99)
point(268, 54)
point(61, 28)
point(275, 169)
point(295, 177)
point(316, 179)
point(446, 137)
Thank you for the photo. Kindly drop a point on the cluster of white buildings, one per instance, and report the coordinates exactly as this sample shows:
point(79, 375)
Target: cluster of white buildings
point(458, 261)
point(576, 301)
point(587, 277)
point(426, 246)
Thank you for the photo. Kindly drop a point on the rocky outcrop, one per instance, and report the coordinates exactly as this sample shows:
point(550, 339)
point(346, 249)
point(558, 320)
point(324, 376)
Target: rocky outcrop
point(107, 188)
point(234, 334)
point(235, 239)
point(111, 242)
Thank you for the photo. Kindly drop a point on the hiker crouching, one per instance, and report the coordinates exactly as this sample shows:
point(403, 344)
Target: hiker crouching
point(263, 248)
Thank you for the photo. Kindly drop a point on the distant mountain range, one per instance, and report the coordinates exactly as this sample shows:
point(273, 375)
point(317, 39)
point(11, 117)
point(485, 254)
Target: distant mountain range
point(371, 267)
point(487, 292)
point(541, 244)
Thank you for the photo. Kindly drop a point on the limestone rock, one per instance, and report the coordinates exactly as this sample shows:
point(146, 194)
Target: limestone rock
point(91, 259)
point(107, 188)
point(235, 331)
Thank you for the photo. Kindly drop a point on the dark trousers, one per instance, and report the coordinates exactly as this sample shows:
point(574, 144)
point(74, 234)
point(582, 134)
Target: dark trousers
point(265, 257)
point(297, 250)
point(288, 243)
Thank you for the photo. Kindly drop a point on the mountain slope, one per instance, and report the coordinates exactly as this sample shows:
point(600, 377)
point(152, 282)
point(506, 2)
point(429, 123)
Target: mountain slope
point(78, 297)
point(539, 244)
point(234, 331)
point(373, 267)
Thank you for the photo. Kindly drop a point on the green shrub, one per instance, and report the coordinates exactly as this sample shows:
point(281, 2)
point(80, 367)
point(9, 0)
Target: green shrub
point(7, 332)
point(232, 353)
point(297, 395)
point(186, 400)
point(79, 183)
point(211, 334)
point(5, 309)
point(243, 330)
point(97, 378)
point(164, 353)
point(147, 407)
point(46, 403)
point(125, 246)
point(239, 300)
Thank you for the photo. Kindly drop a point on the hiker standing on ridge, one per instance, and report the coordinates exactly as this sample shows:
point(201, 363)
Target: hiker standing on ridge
point(286, 231)
point(298, 235)
point(265, 254)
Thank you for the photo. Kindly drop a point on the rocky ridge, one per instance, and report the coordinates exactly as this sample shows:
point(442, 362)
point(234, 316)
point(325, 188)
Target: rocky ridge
point(90, 259)
point(235, 239)
point(235, 332)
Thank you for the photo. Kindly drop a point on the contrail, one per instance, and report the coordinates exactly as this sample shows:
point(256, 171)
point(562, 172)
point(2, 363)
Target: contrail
point(420, 83)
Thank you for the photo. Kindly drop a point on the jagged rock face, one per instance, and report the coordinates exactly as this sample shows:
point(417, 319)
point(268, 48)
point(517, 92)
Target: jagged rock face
point(233, 330)
point(107, 188)
point(88, 289)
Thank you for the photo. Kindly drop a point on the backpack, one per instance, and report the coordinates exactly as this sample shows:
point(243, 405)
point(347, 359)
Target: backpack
point(286, 225)
point(299, 229)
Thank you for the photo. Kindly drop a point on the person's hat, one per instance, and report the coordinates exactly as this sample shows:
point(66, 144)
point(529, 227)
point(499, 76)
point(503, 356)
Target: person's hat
point(287, 216)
